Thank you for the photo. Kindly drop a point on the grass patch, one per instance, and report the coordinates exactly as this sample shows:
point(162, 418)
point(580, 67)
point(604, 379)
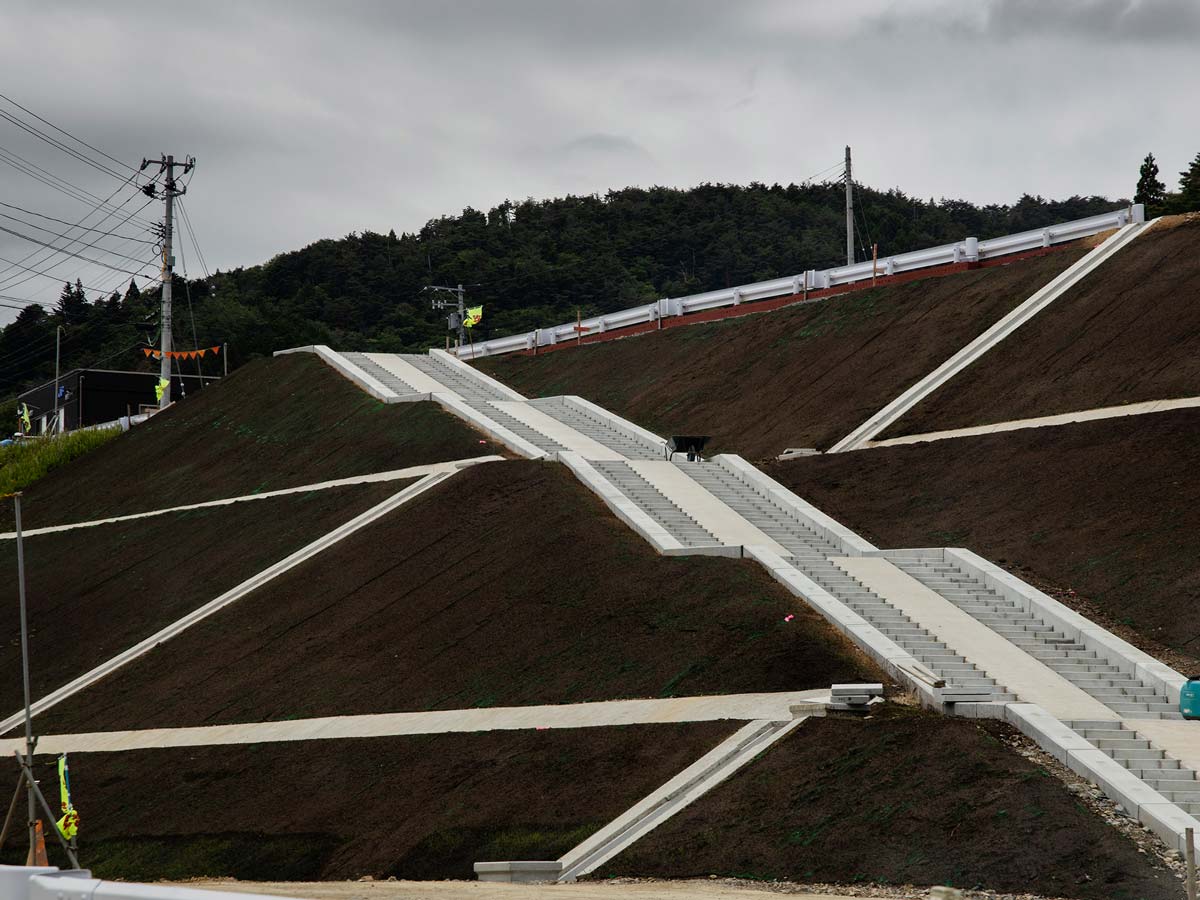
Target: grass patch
point(24, 463)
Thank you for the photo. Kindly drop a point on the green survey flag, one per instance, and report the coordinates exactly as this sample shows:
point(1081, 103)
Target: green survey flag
point(473, 317)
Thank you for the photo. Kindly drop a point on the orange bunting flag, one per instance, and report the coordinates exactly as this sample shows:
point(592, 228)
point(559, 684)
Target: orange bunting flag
point(147, 350)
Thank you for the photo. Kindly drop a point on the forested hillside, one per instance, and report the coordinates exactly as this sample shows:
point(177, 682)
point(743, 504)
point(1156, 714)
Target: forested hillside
point(529, 263)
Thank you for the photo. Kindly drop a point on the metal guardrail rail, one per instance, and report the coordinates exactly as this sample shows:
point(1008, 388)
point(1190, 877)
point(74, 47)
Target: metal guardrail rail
point(967, 250)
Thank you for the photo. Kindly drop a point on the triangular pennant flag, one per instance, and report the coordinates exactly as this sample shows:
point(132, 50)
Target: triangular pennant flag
point(147, 351)
point(201, 353)
point(215, 349)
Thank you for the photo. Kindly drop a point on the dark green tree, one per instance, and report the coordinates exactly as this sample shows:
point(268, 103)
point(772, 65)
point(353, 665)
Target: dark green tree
point(1188, 198)
point(1150, 190)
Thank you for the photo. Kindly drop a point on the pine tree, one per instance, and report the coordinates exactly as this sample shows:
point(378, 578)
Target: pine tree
point(1150, 190)
point(1188, 199)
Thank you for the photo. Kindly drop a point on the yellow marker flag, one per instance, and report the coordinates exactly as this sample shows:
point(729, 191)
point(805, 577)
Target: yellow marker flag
point(69, 823)
point(473, 317)
point(159, 388)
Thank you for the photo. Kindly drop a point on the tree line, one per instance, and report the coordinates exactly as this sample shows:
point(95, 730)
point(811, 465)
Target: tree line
point(1159, 201)
point(530, 263)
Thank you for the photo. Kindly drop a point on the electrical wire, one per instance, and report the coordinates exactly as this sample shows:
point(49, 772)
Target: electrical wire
point(59, 145)
point(187, 222)
point(57, 182)
point(97, 262)
point(65, 132)
point(50, 218)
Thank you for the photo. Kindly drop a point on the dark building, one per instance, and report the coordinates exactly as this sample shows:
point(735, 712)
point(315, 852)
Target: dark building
point(91, 396)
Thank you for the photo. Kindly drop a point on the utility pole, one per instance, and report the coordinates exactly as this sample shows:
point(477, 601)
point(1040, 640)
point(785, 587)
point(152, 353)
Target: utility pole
point(29, 741)
point(849, 213)
point(170, 191)
point(57, 349)
point(440, 303)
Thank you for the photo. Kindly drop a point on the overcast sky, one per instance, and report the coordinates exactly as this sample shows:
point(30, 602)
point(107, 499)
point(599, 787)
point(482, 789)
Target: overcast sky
point(314, 119)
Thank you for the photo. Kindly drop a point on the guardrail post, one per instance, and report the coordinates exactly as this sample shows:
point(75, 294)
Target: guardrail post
point(972, 247)
point(1045, 237)
point(737, 297)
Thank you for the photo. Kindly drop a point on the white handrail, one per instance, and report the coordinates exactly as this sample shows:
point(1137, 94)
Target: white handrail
point(967, 250)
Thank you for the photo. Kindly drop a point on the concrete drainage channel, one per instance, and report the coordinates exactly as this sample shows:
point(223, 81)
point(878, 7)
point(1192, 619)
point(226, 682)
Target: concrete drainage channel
point(920, 615)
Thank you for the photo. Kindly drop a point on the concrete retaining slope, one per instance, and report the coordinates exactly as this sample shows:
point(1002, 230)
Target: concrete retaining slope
point(685, 788)
point(989, 339)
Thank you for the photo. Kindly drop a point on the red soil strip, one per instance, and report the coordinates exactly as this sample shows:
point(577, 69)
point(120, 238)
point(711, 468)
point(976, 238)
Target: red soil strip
point(275, 423)
point(510, 584)
point(1109, 510)
point(94, 592)
point(1129, 332)
point(414, 807)
point(801, 377)
point(906, 798)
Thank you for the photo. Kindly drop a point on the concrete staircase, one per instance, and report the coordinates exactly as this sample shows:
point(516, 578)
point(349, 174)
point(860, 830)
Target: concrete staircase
point(601, 432)
point(473, 390)
point(811, 554)
point(678, 524)
point(1119, 691)
point(1167, 776)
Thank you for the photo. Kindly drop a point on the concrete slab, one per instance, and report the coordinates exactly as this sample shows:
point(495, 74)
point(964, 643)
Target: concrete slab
point(735, 707)
point(1002, 660)
point(408, 373)
point(557, 431)
point(1086, 415)
point(711, 513)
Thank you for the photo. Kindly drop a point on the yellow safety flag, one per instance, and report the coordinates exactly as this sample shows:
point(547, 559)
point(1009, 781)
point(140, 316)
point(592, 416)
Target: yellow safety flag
point(474, 316)
point(159, 388)
point(69, 823)
point(26, 422)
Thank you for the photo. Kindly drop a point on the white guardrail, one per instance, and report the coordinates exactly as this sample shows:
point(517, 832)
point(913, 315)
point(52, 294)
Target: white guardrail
point(967, 250)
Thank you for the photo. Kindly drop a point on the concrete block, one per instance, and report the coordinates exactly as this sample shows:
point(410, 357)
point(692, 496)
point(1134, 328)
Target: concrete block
point(519, 871)
point(804, 710)
point(850, 690)
point(1169, 822)
point(1121, 785)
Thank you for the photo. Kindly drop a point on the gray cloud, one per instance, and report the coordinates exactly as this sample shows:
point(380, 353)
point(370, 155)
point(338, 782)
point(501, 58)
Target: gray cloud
point(313, 119)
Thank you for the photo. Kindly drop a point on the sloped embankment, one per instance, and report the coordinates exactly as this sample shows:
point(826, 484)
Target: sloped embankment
point(901, 798)
point(94, 592)
point(803, 376)
point(275, 423)
point(1108, 509)
point(1129, 332)
point(510, 584)
point(415, 807)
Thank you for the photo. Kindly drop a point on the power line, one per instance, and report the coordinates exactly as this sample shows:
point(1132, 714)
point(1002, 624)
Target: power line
point(59, 145)
point(57, 182)
point(187, 223)
point(31, 212)
point(9, 283)
point(65, 132)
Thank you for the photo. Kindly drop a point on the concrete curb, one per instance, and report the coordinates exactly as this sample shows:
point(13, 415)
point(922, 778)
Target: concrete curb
point(1107, 645)
point(236, 593)
point(455, 404)
point(625, 509)
point(681, 791)
point(893, 658)
point(624, 426)
point(993, 336)
point(375, 478)
point(449, 359)
point(831, 529)
point(1141, 801)
point(348, 369)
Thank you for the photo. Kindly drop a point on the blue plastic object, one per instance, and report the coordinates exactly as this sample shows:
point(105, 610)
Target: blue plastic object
point(1189, 699)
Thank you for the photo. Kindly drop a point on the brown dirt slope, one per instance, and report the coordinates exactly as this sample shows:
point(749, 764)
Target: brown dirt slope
point(903, 798)
point(418, 807)
point(803, 376)
point(510, 584)
point(1109, 509)
point(275, 423)
point(93, 592)
point(1129, 332)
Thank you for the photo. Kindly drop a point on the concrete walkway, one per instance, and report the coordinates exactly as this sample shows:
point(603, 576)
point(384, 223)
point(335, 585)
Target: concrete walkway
point(1087, 415)
point(378, 477)
point(998, 332)
point(735, 707)
point(707, 889)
